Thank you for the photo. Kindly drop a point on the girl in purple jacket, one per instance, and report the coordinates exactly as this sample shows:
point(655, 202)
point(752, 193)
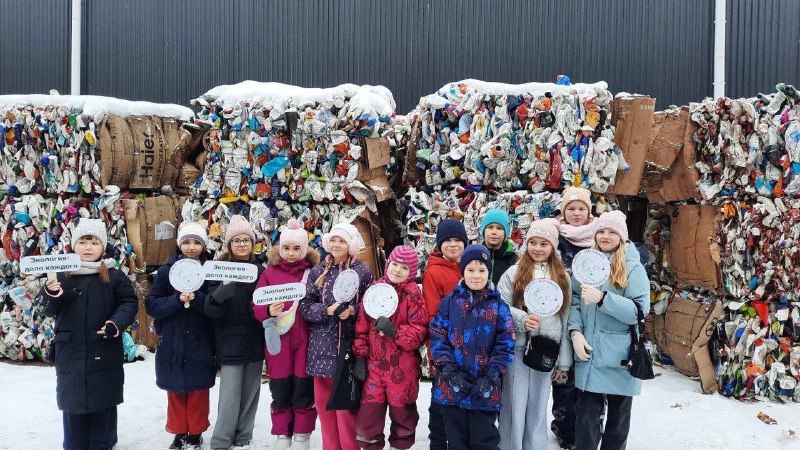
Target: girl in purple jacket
point(293, 413)
point(331, 324)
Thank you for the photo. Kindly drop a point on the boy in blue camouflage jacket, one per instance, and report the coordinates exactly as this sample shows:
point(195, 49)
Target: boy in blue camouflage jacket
point(472, 344)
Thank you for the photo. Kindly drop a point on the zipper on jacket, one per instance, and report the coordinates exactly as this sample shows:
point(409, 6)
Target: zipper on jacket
point(86, 359)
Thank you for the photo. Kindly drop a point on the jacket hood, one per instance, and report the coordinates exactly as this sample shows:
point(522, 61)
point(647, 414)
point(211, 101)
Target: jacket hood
point(405, 286)
point(489, 292)
point(632, 253)
point(274, 256)
point(205, 256)
point(506, 248)
point(436, 259)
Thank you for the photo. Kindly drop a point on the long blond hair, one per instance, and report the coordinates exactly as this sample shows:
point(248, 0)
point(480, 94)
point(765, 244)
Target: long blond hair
point(524, 276)
point(619, 268)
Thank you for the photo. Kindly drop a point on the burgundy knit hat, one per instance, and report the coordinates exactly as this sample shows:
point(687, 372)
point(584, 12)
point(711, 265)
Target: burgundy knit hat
point(405, 254)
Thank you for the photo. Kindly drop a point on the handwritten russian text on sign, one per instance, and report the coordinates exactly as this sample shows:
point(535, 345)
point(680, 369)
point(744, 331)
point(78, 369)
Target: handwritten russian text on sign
point(543, 297)
point(591, 267)
point(186, 275)
point(230, 271)
point(50, 263)
point(289, 292)
point(380, 300)
point(345, 287)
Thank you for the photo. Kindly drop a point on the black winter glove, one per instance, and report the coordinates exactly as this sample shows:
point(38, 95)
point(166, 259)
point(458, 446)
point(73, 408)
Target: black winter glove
point(340, 309)
point(224, 293)
point(457, 379)
point(110, 330)
point(385, 326)
point(360, 369)
point(483, 388)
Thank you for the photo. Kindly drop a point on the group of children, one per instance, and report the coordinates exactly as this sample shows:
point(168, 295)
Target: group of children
point(328, 359)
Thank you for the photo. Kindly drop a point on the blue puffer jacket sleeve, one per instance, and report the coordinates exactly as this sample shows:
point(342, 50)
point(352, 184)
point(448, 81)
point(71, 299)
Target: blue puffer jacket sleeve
point(162, 300)
point(503, 352)
point(441, 349)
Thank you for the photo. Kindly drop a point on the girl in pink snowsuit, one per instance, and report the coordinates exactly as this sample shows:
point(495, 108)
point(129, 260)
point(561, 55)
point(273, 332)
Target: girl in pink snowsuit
point(286, 333)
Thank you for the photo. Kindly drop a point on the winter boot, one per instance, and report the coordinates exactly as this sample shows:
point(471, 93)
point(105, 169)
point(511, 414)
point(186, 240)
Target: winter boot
point(194, 442)
point(282, 442)
point(177, 443)
point(301, 441)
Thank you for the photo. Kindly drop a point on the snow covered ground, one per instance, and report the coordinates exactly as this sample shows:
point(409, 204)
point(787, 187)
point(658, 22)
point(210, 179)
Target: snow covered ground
point(670, 414)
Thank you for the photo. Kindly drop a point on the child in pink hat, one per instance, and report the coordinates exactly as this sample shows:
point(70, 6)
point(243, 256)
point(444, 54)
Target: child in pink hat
point(286, 334)
point(388, 360)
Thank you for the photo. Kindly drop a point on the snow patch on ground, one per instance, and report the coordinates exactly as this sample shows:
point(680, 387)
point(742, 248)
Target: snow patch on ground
point(671, 413)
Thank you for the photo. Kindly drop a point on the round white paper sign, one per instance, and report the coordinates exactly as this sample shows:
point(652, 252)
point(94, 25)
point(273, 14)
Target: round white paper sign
point(380, 300)
point(346, 286)
point(186, 275)
point(591, 267)
point(543, 297)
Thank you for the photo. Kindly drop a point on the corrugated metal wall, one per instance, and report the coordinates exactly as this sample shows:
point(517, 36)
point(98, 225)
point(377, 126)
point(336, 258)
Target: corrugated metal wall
point(763, 46)
point(171, 51)
point(34, 46)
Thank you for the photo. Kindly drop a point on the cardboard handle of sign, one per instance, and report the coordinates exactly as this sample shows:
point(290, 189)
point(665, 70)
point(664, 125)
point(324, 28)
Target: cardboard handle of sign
point(51, 276)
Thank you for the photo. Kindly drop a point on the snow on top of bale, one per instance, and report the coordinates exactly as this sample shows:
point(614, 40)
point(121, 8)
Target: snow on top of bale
point(490, 87)
point(98, 106)
point(453, 90)
point(286, 96)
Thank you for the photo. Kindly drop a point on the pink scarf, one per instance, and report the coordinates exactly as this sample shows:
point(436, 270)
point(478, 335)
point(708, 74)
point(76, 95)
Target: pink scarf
point(581, 236)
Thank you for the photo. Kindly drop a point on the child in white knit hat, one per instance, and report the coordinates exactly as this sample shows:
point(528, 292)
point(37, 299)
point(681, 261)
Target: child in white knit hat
point(92, 306)
point(331, 325)
point(185, 365)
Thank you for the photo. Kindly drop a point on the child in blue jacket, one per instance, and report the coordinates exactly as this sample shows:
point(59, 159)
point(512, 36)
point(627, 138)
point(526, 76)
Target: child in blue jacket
point(472, 345)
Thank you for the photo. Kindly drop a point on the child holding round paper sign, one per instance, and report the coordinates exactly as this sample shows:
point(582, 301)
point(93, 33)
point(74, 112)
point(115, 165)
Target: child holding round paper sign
point(91, 306)
point(286, 334)
point(389, 348)
point(600, 324)
point(185, 365)
point(331, 325)
point(239, 344)
point(523, 419)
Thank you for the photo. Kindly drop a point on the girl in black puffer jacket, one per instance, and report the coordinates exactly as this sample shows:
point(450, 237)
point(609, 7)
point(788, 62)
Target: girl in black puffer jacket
point(92, 306)
point(185, 365)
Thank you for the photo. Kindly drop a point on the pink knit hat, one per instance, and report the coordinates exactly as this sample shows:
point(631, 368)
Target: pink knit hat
point(294, 233)
point(546, 229)
point(573, 194)
point(614, 221)
point(349, 233)
point(239, 225)
point(405, 254)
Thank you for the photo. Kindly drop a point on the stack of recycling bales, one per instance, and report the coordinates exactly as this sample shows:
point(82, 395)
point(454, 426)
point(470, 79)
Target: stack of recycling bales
point(70, 157)
point(275, 151)
point(728, 236)
point(484, 145)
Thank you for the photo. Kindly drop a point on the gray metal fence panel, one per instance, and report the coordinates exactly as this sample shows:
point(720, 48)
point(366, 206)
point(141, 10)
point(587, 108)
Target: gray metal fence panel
point(171, 51)
point(34, 46)
point(763, 46)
